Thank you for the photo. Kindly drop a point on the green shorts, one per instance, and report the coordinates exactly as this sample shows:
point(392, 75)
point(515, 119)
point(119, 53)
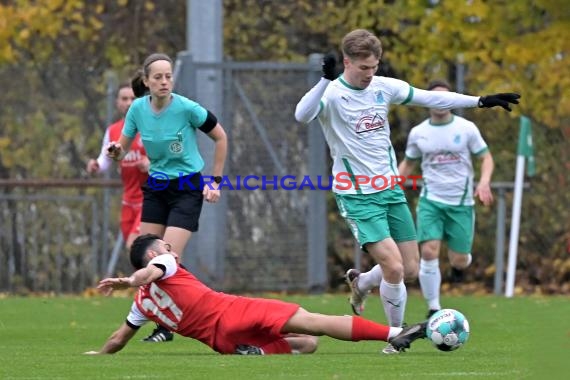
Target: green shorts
point(454, 224)
point(377, 216)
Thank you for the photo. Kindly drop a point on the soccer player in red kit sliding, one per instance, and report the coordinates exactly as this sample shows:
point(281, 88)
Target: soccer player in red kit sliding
point(133, 168)
point(170, 295)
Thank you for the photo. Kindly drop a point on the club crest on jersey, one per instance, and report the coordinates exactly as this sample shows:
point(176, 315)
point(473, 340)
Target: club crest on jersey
point(457, 139)
point(368, 123)
point(379, 97)
point(176, 147)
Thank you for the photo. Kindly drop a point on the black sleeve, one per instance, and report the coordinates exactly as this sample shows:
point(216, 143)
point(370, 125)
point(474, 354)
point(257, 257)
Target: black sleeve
point(161, 267)
point(209, 124)
point(131, 325)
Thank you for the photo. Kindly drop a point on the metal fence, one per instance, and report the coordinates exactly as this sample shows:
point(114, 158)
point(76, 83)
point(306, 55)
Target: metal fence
point(268, 238)
point(51, 235)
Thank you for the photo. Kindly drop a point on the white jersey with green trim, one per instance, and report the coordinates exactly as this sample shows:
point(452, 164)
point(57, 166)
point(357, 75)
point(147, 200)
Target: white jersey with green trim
point(355, 126)
point(445, 151)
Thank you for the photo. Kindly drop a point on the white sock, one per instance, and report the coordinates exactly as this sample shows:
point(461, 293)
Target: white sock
point(430, 282)
point(394, 331)
point(370, 280)
point(394, 297)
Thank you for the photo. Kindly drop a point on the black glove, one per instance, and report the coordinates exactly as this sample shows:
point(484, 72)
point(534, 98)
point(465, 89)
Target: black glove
point(329, 66)
point(503, 100)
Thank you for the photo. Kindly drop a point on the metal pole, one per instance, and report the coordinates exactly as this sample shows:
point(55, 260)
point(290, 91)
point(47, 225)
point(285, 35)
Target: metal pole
point(317, 213)
point(460, 79)
point(206, 250)
point(111, 88)
point(500, 242)
point(111, 265)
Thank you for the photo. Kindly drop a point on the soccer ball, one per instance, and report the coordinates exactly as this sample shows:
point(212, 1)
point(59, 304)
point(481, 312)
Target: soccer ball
point(448, 329)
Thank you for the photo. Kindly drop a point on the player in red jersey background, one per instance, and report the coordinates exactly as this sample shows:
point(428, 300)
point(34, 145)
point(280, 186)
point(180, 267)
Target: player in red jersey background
point(133, 168)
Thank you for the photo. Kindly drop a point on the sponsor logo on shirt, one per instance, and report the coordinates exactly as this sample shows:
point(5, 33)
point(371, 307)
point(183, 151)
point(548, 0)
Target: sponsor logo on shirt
point(446, 158)
point(368, 123)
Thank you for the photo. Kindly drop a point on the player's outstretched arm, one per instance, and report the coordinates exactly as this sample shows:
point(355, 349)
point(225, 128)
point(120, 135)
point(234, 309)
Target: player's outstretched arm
point(116, 341)
point(453, 100)
point(141, 277)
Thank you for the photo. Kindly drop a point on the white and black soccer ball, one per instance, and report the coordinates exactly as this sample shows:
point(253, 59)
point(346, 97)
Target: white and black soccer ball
point(448, 329)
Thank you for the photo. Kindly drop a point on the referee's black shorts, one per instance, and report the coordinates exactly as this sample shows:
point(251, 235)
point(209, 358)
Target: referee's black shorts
point(173, 203)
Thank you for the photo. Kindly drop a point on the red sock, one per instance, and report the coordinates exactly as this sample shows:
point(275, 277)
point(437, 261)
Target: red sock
point(279, 346)
point(363, 329)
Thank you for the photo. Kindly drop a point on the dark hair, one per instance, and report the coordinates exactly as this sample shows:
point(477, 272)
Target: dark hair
point(138, 86)
point(438, 83)
point(139, 248)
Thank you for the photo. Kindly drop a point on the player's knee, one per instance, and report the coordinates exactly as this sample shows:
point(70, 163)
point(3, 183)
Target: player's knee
point(429, 253)
point(393, 272)
point(460, 261)
point(411, 270)
point(310, 345)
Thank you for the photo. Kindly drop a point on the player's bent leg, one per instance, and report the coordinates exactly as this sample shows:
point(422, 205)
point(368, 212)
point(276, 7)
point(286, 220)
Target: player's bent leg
point(305, 322)
point(411, 258)
point(301, 343)
point(460, 232)
point(354, 329)
point(459, 260)
point(392, 289)
point(387, 254)
point(343, 327)
point(289, 344)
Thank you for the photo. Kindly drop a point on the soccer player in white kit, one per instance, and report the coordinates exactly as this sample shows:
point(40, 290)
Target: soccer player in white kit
point(444, 143)
point(353, 112)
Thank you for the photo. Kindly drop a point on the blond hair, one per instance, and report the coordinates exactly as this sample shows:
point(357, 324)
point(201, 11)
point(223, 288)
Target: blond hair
point(360, 43)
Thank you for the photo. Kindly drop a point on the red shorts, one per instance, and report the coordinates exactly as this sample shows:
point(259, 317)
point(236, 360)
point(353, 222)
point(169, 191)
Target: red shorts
point(130, 219)
point(252, 321)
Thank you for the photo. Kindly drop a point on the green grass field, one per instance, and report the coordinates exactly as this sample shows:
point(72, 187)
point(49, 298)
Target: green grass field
point(520, 338)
